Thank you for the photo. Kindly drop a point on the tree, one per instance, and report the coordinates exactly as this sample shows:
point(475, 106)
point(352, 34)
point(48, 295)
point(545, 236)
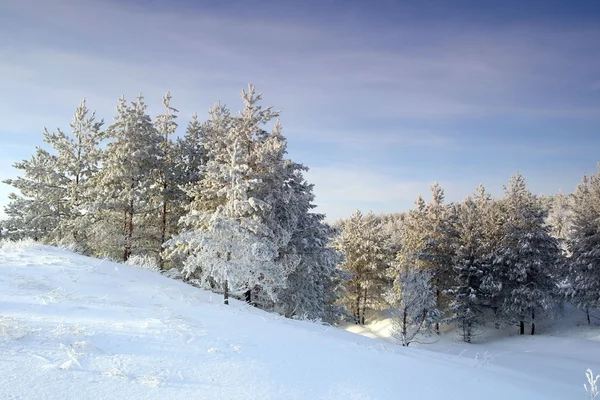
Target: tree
point(584, 246)
point(37, 211)
point(468, 293)
point(229, 240)
point(526, 256)
point(124, 189)
point(414, 304)
point(77, 162)
point(170, 177)
point(367, 257)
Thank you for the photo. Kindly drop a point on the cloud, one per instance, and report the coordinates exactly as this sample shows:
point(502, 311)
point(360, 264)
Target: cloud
point(349, 90)
point(416, 71)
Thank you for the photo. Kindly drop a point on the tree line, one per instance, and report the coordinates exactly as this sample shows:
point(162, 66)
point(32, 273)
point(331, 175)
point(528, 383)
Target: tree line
point(512, 260)
point(222, 206)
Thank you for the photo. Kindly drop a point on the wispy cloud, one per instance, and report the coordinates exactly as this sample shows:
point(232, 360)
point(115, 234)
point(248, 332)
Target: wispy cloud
point(349, 89)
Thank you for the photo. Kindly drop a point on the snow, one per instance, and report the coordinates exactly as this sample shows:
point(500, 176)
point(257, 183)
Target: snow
point(73, 327)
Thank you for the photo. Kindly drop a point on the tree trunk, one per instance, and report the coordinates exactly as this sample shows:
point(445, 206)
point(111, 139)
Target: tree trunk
point(532, 321)
point(587, 313)
point(125, 234)
point(225, 293)
point(364, 308)
point(129, 232)
point(437, 301)
point(522, 327)
point(163, 234)
point(248, 296)
point(404, 328)
point(357, 306)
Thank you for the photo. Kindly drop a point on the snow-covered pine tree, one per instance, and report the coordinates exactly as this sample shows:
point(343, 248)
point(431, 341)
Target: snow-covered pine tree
point(37, 210)
point(170, 178)
point(77, 158)
point(526, 257)
point(584, 245)
point(191, 155)
point(230, 241)
point(314, 287)
point(126, 216)
point(414, 301)
point(470, 269)
point(55, 186)
point(437, 225)
point(367, 257)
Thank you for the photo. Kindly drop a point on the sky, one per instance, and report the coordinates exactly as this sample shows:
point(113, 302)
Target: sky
point(379, 99)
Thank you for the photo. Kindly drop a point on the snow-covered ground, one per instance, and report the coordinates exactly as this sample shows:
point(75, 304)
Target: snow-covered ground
point(73, 327)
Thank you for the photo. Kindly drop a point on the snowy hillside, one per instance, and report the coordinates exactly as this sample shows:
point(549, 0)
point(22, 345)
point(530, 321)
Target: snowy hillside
point(73, 327)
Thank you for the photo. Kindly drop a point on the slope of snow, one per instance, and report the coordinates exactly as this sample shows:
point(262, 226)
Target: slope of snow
point(73, 327)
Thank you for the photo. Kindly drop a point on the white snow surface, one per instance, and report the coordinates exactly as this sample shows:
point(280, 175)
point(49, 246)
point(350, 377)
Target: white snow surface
point(73, 327)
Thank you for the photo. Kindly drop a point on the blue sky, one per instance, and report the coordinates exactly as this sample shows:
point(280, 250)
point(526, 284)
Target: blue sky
point(379, 99)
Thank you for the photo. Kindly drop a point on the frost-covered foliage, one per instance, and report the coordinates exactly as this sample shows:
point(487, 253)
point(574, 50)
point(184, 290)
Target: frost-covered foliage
point(143, 261)
point(368, 254)
point(249, 229)
point(470, 269)
point(413, 299)
point(125, 187)
point(55, 186)
point(526, 257)
point(584, 245)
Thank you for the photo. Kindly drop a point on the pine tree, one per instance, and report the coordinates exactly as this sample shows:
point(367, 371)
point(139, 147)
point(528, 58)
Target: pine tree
point(584, 245)
point(230, 239)
point(169, 177)
point(367, 256)
point(55, 186)
point(413, 299)
point(470, 268)
point(526, 257)
point(130, 166)
point(78, 159)
point(439, 244)
point(37, 211)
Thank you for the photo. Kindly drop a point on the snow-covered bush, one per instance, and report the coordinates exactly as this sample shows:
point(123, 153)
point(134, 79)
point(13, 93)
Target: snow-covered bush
point(144, 262)
point(11, 245)
point(173, 273)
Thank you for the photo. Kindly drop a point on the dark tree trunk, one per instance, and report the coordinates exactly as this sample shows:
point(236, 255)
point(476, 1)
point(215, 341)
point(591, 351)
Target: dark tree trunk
point(163, 234)
point(225, 293)
point(248, 296)
point(437, 296)
point(125, 234)
point(521, 327)
point(364, 308)
point(404, 328)
point(357, 306)
point(532, 321)
point(587, 313)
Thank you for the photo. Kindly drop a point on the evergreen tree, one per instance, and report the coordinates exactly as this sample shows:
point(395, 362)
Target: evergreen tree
point(526, 257)
point(37, 211)
point(584, 245)
point(367, 256)
point(439, 244)
point(232, 239)
point(55, 186)
point(414, 304)
point(169, 177)
point(77, 159)
point(125, 220)
point(470, 269)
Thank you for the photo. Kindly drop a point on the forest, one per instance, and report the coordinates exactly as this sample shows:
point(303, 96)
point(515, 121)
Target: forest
point(222, 207)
